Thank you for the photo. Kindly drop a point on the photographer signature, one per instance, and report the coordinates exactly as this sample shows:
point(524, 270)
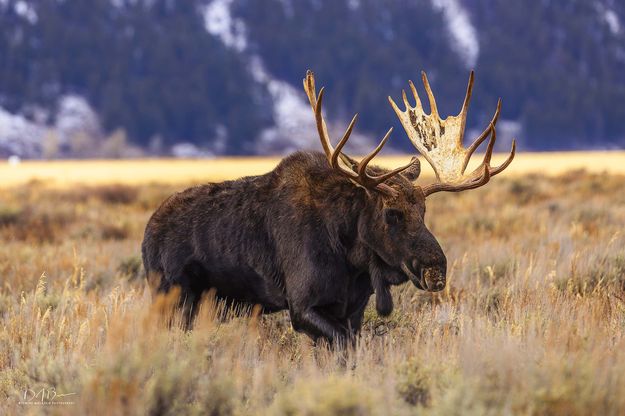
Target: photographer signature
point(45, 395)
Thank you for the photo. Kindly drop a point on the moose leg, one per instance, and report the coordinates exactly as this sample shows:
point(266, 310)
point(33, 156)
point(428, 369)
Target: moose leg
point(193, 281)
point(317, 287)
point(317, 324)
point(356, 316)
point(359, 298)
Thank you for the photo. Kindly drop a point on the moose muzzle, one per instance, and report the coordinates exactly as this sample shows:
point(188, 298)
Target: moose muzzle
point(430, 278)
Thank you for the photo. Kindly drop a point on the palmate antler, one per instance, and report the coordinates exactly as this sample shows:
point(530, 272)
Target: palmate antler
point(440, 142)
point(352, 169)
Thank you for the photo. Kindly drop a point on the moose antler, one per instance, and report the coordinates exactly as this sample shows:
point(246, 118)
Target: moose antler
point(440, 142)
point(352, 169)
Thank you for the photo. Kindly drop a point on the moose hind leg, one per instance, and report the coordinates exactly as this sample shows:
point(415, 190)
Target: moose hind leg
point(193, 283)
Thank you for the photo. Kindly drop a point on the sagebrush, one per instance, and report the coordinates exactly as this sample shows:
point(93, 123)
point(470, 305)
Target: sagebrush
point(532, 320)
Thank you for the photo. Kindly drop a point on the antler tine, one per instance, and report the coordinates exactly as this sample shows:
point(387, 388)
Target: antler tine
point(491, 145)
point(339, 147)
point(362, 166)
point(332, 154)
point(477, 142)
point(377, 180)
point(309, 88)
point(467, 97)
point(485, 165)
point(321, 127)
point(403, 96)
point(465, 108)
point(395, 108)
point(428, 90)
point(381, 178)
point(489, 152)
point(416, 95)
point(507, 162)
point(358, 172)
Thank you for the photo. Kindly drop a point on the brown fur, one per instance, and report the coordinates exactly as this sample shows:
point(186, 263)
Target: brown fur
point(301, 237)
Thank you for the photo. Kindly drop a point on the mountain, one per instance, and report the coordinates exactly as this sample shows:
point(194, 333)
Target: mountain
point(224, 76)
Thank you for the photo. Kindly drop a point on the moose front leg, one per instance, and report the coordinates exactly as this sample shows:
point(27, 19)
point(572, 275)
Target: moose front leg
point(360, 291)
point(317, 291)
point(317, 324)
point(356, 316)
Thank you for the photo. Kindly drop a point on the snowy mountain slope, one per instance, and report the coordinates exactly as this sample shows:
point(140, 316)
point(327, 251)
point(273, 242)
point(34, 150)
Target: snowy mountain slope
point(294, 127)
point(224, 76)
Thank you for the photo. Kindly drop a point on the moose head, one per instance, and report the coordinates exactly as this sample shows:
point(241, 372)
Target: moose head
point(392, 225)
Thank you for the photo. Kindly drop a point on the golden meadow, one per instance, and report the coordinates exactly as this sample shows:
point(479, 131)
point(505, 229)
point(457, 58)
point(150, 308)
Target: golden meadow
point(531, 322)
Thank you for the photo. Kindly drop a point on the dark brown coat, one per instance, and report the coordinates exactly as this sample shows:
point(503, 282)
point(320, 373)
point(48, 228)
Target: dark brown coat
point(300, 237)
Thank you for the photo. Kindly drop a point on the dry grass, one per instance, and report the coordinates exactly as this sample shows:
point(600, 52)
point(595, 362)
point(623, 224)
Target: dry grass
point(532, 322)
point(104, 172)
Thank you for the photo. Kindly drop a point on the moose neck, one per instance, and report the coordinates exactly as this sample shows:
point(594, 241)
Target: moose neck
point(349, 206)
point(337, 203)
point(356, 206)
point(342, 204)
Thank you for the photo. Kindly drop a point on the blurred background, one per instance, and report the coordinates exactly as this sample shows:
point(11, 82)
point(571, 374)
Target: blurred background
point(133, 78)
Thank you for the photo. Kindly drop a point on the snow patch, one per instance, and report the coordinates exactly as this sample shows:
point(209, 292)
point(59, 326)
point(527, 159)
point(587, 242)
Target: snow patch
point(612, 20)
point(609, 17)
point(219, 22)
point(14, 160)
point(25, 138)
point(463, 32)
point(353, 4)
point(189, 151)
point(19, 136)
point(26, 11)
point(291, 113)
point(295, 127)
point(74, 116)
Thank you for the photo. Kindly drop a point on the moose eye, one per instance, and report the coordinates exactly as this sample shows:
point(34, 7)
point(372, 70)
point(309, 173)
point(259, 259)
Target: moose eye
point(393, 216)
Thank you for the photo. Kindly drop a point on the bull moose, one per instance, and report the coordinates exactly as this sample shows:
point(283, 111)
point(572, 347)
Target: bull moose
point(322, 232)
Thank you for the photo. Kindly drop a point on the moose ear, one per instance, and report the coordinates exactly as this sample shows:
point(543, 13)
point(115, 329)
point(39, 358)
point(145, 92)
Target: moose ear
point(412, 173)
point(393, 216)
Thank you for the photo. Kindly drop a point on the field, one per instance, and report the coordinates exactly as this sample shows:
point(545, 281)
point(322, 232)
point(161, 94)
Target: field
point(532, 320)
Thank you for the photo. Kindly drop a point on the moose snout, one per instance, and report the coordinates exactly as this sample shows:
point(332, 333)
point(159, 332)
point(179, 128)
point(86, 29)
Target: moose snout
point(433, 278)
point(426, 277)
